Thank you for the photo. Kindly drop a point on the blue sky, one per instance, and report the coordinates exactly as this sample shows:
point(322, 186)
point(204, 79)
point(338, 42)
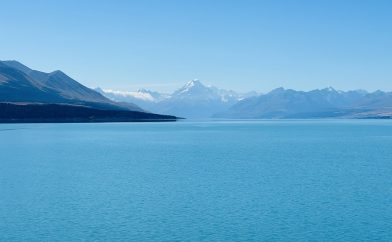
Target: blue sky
point(241, 45)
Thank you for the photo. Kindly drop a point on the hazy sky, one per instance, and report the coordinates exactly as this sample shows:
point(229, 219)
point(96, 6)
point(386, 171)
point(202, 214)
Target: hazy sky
point(241, 45)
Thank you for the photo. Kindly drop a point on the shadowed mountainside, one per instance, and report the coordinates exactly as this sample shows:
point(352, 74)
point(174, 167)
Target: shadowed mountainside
point(18, 83)
point(27, 95)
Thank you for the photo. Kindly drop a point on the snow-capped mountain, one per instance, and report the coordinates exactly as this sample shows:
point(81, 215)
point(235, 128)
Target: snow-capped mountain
point(196, 100)
point(196, 90)
point(193, 100)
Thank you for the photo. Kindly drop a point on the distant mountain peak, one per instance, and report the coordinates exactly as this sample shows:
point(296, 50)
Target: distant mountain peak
point(194, 82)
point(329, 89)
point(194, 86)
point(278, 90)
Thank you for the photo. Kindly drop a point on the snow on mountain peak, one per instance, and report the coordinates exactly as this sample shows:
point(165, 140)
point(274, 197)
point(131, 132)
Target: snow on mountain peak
point(196, 90)
point(194, 82)
point(193, 86)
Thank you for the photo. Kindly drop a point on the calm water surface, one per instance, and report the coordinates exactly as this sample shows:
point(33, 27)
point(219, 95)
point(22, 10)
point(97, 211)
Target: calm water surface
point(197, 181)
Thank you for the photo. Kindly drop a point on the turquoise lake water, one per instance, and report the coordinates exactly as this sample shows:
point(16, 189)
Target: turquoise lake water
point(197, 181)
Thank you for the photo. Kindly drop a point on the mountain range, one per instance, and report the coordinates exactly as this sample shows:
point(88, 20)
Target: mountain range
point(27, 94)
point(196, 100)
point(193, 100)
point(20, 85)
point(320, 103)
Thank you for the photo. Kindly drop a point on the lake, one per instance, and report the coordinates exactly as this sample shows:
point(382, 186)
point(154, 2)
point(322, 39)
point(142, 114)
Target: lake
point(326, 180)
